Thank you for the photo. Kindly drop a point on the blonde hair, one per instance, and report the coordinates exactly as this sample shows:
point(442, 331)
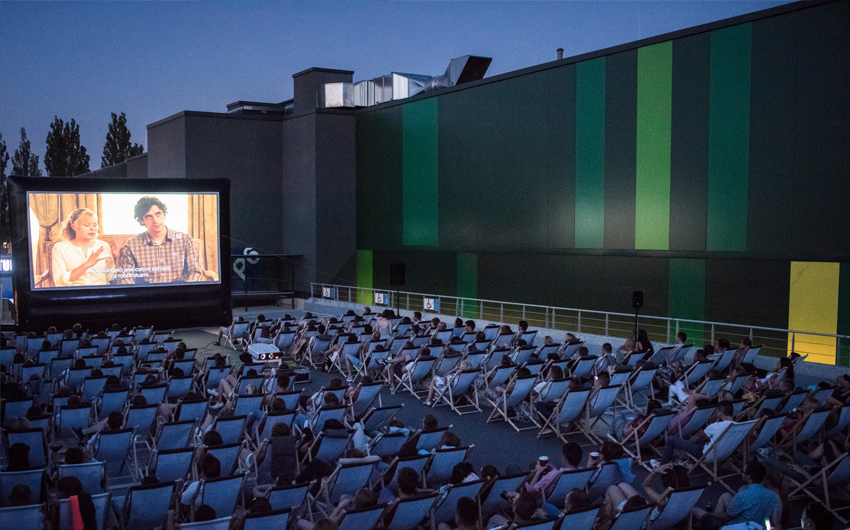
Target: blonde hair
point(68, 230)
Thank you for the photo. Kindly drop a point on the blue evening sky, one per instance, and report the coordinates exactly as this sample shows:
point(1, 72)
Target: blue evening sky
point(152, 59)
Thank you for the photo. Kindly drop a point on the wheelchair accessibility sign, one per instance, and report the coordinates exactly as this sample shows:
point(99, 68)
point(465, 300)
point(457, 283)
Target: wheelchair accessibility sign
point(381, 299)
point(431, 304)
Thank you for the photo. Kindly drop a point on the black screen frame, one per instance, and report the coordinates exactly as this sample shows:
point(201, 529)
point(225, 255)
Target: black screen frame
point(161, 306)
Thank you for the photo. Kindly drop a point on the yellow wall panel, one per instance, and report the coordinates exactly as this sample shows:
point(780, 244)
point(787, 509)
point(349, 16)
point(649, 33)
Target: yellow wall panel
point(813, 306)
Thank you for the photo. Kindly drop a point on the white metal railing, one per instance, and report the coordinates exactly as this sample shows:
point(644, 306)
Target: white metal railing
point(821, 347)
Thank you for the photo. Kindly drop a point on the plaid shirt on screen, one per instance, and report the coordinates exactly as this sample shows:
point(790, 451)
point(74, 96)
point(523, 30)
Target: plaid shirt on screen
point(174, 260)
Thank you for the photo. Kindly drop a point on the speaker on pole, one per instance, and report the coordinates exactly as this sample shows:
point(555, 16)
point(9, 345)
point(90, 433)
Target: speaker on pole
point(637, 299)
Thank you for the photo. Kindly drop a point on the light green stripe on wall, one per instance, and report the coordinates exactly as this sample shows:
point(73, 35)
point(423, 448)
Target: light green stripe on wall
point(420, 173)
point(654, 110)
point(364, 276)
point(729, 138)
point(590, 154)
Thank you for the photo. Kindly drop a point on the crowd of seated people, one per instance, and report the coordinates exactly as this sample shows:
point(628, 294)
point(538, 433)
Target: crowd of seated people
point(256, 448)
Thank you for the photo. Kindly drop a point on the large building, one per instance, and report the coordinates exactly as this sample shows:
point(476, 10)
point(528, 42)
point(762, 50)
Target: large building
point(708, 168)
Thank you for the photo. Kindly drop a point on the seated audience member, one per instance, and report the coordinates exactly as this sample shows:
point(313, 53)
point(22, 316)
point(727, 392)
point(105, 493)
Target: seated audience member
point(700, 442)
point(816, 517)
point(466, 516)
point(364, 498)
point(21, 495)
point(18, 458)
point(82, 507)
point(542, 479)
point(619, 498)
point(525, 511)
point(753, 502)
point(203, 513)
point(209, 467)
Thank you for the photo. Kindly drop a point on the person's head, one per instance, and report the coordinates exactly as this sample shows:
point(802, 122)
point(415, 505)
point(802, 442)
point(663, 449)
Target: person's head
point(842, 382)
point(652, 405)
point(335, 383)
point(260, 505)
point(210, 466)
point(816, 517)
point(809, 404)
point(204, 512)
point(114, 421)
point(68, 487)
point(629, 345)
point(603, 379)
point(81, 225)
point(725, 410)
point(332, 423)
point(408, 481)
point(429, 423)
point(745, 341)
point(150, 212)
point(213, 438)
point(365, 498)
point(525, 504)
point(523, 325)
point(19, 457)
point(20, 495)
point(643, 338)
point(634, 502)
point(611, 451)
point(20, 423)
point(607, 348)
point(582, 351)
point(449, 439)
point(676, 477)
point(75, 455)
point(722, 344)
point(278, 405)
point(754, 472)
point(556, 373)
point(505, 361)
point(460, 471)
point(577, 499)
point(331, 400)
point(138, 400)
point(470, 326)
point(281, 429)
point(681, 337)
point(571, 454)
point(466, 512)
point(489, 471)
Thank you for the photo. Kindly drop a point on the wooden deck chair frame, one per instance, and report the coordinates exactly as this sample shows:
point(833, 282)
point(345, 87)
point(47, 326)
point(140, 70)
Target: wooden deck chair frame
point(810, 488)
point(674, 505)
point(634, 444)
point(591, 418)
point(511, 399)
point(812, 426)
point(451, 394)
point(562, 420)
point(712, 460)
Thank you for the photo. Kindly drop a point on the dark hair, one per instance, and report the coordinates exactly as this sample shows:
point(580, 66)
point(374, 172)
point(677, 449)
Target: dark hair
point(523, 325)
point(611, 451)
point(204, 512)
point(525, 505)
point(676, 477)
point(635, 501)
point(144, 204)
point(577, 499)
point(260, 505)
point(572, 453)
point(213, 438)
point(19, 457)
point(819, 516)
point(68, 487)
point(429, 422)
point(449, 438)
point(723, 343)
point(460, 472)
point(115, 420)
point(408, 481)
point(365, 498)
point(726, 408)
point(281, 429)
point(682, 336)
point(756, 471)
point(210, 466)
point(467, 511)
point(489, 471)
point(74, 455)
point(652, 405)
point(20, 495)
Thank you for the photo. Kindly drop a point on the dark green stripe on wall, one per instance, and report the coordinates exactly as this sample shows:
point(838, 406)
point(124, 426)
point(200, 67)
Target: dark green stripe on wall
point(467, 281)
point(654, 109)
point(420, 173)
point(620, 124)
point(844, 313)
point(729, 138)
point(364, 275)
point(686, 295)
point(590, 154)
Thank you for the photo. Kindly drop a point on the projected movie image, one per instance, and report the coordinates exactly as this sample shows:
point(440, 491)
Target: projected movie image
point(103, 240)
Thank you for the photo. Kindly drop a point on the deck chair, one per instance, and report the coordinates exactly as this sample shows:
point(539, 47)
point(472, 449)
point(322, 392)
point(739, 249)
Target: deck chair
point(141, 417)
point(222, 523)
point(633, 519)
point(710, 387)
point(289, 497)
point(475, 359)
point(723, 360)
point(372, 366)
point(112, 401)
point(290, 399)
point(640, 380)
point(171, 464)
point(553, 393)
point(833, 477)
point(510, 399)
point(174, 435)
point(68, 347)
point(190, 410)
point(697, 421)
point(570, 349)
point(722, 449)
point(446, 364)
point(582, 520)
point(234, 333)
point(346, 479)
point(250, 406)
point(596, 408)
point(316, 347)
point(442, 462)
point(385, 445)
point(92, 475)
point(231, 429)
point(413, 378)
point(584, 366)
point(429, 440)
point(446, 505)
point(696, 372)
point(523, 354)
point(102, 503)
point(347, 350)
point(568, 410)
point(113, 447)
point(566, 481)
point(499, 377)
point(793, 402)
point(221, 494)
point(653, 427)
point(263, 428)
point(767, 429)
point(144, 507)
point(35, 439)
point(843, 421)
point(491, 502)
point(378, 418)
point(31, 516)
point(227, 455)
point(459, 389)
point(154, 393)
point(365, 398)
point(327, 413)
point(15, 408)
point(608, 474)
point(328, 449)
point(359, 519)
point(409, 512)
point(264, 521)
point(678, 507)
point(283, 341)
point(814, 424)
point(752, 354)
point(821, 394)
point(179, 387)
point(33, 478)
point(70, 418)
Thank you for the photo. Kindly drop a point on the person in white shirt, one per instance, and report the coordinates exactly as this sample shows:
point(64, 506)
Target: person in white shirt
point(701, 442)
point(76, 260)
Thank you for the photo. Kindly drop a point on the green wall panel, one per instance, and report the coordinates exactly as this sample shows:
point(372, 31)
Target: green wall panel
point(590, 154)
point(379, 168)
point(364, 276)
point(467, 280)
point(420, 178)
point(729, 138)
point(561, 159)
point(689, 143)
point(460, 162)
point(747, 292)
point(774, 62)
point(686, 297)
point(654, 109)
point(619, 161)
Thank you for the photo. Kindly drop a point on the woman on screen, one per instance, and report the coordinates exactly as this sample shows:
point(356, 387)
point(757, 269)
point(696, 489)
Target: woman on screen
point(79, 252)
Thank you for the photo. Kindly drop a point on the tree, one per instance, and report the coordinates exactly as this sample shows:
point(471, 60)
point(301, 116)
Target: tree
point(5, 214)
point(24, 163)
point(118, 147)
point(65, 156)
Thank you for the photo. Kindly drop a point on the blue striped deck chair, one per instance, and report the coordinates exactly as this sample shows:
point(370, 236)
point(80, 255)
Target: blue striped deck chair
point(697, 421)
point(446, 364)
point(502, 340)
point(580, 520)
point(417, 463)
point(524, 354)
point(289, 497)
point(567, 411)
point(696, 372)
point(499, 376)
point(231, 429)
point(186, 365)
point(584, 366)
point(752, 354)
point(640, 380)
point(814, 423)
point(29, 517)
point(529, 337)
point(92, 475)
point(491, 331)
point(92, 388)
point(378, 418)
point(102, 344)
point(429, 440)
point(155, 393)
point(263, 429)
point(190, 410)
point(767, 429)
point(227, 456)
point(571, 349)
point(722, 449)
point(446, 505)
point(385, 445)
point(504, 406)
point(76, 376)
point(78, 417)
point(290, 398)
point(367, 395)
point(359, 519)
point(413, 378)
point(179, 386)
point(221, 494)
point(443, 461)
point(346, 479)
point(102, 503)
point(45, 356)
point(792, 402)
point(633, 519)
point(172, 464)
point(410, 512)
point(492, 501)
point(235, 332)
point(114, 447)
point(459, 390)
point(251, 406)
point(327, 413)
point(34, 478)
point(174, 435)
point(475, 359)
point(283, 341)
point(636, 445)
point(35, 439)
point(565, 483)
point(222, 523)
point(328, 449)
point(444, 336)
point(678, 507)
point(596, 408)
point(606, 475)
point(274, 519)
point(68, 347)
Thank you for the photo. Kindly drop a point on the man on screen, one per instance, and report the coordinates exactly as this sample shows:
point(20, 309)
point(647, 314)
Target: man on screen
point(158, 255)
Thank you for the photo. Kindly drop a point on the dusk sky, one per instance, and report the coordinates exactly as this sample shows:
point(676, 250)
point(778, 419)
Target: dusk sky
point(83, 60)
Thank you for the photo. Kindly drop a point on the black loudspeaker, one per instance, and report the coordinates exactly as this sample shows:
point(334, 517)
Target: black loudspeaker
point(397, 274)
point(637, 299)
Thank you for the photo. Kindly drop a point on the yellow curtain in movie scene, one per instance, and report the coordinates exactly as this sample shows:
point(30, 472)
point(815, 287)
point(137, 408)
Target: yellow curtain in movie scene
point(203, 227)
point(52, 211)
